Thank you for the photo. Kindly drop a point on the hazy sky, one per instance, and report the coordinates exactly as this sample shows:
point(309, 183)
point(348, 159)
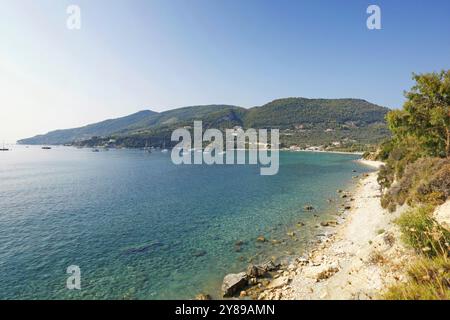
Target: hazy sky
point(162, 54)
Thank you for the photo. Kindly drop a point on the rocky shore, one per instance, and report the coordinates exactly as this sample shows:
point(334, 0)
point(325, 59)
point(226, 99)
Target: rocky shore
point(357, 257)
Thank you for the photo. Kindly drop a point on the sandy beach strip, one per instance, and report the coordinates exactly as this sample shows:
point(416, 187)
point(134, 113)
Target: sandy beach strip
point(359, 261)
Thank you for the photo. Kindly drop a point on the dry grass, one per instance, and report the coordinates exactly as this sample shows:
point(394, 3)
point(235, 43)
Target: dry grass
point(429, 276)
point(429, 279)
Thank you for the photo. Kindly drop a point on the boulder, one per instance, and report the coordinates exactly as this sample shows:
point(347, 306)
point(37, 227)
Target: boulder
point(202, 296)
point(233, 283)
point(270, 266)
point(256, 271)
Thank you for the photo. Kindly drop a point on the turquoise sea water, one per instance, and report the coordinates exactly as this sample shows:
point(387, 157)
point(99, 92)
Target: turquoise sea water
point(140, 227)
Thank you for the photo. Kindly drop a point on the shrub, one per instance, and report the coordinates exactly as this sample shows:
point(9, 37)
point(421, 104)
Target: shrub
point(425, 181)
point(423, 233)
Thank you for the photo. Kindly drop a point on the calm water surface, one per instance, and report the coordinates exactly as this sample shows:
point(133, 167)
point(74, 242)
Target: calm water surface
point(140, 227)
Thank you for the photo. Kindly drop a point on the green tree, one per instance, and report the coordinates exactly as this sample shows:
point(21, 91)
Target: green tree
point(425, 114)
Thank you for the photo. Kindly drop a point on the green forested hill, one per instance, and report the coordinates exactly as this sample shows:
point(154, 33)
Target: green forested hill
point(295, 111)
point(103, 128)
point(301, 121)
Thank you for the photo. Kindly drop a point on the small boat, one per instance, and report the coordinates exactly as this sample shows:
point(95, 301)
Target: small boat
point(147, 148)
point(3, 148)
point(46, 148)
point(95, 150)
point(164, 150)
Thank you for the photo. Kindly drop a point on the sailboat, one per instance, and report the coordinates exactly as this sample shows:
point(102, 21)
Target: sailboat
point(146, 148)
point(164, 150)
point(3, 148)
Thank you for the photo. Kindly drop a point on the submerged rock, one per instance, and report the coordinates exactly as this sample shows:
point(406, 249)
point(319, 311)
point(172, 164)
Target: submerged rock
point(142, 248)
point(199, 253)
point(233, 283)
point(261, 239)
point(329, 223)
point(308, 207)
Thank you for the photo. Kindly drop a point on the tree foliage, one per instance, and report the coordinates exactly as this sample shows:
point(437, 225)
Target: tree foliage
point(425, 114)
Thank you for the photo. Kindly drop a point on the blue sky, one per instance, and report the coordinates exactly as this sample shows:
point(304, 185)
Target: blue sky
point(163, 54)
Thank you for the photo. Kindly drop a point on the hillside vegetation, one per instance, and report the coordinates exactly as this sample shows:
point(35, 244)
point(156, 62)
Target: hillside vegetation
point(301, 121)
point(417, 173)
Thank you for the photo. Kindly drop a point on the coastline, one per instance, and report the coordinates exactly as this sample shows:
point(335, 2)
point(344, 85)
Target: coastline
point(358, 256)
point(371, 163)
point(329, 151)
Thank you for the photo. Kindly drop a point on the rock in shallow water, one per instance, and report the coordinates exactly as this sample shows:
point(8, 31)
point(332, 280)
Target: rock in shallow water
point(202, 296)
point(199, 253)
point(261, 239)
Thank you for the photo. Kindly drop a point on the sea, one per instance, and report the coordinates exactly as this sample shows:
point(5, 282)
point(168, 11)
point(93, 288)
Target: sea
point(137, 226)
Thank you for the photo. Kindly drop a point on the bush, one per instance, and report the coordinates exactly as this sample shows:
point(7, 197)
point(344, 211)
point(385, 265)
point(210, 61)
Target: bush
point(425, 181)
point(423, 233)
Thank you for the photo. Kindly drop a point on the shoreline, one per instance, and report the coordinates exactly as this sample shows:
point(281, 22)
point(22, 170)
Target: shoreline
point(358, 256)
point(359, 261)
point(358, 153)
